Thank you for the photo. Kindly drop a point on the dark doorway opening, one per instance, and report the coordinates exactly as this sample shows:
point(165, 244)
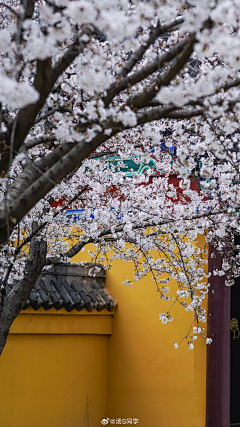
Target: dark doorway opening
point(235, 355)
point(218, 353)
point(235, 352)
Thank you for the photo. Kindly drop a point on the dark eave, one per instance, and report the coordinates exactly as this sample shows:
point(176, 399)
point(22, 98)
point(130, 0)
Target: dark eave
point(71, 287)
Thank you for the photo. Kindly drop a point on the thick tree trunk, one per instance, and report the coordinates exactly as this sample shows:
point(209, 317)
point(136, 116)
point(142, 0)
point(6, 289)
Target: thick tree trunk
point(14, 302)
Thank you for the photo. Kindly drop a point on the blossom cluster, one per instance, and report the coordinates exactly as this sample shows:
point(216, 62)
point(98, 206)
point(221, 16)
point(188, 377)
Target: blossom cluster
point(128, 114)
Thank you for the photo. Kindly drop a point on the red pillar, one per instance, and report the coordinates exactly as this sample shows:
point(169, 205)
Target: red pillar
point(218, 354)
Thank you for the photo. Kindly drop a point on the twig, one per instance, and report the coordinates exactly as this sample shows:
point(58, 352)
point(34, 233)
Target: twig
point(11, 9)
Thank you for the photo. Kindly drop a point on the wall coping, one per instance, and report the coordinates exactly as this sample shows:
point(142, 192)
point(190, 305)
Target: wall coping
point(62, 324)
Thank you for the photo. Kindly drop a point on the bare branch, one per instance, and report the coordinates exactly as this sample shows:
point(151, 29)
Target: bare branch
point(155, 32)
point(144, 72)
point(60, 108)
point(42, 140)
point(171, 112)
point(72, 52)
point(11, 9)
point(141, 100)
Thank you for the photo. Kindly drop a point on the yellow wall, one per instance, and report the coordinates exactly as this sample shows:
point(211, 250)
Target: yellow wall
point(67, 370)
point(147, 377)
point(54, 379)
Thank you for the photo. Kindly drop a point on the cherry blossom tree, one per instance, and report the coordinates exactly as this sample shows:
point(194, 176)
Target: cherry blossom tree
point(84, 86)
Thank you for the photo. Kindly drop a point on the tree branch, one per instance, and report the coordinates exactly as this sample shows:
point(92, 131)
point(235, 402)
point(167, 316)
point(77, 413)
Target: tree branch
point(35, 182)
point(35, 187)
point(27, 115)
point(155, 32)
point(29, 8)
point(16, 299)
point(32, 172)
point(138, 76)
point(60, 108)
point(44, 82)
point(171, 112)
point(142, 99)
point(41, 140)
point(11, 9)
point(72, 52)
point(78, 246)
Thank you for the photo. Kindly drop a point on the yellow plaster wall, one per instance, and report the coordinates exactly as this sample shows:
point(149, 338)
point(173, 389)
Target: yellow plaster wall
point(147, 378)
point(76, 374)
point(76, 323)
point(53, 380)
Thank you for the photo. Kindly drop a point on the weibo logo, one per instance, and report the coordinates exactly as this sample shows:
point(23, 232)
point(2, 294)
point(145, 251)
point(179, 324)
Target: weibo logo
point(104, 422)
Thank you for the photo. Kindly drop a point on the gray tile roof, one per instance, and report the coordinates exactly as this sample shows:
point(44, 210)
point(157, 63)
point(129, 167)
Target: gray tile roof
point(70, 286)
